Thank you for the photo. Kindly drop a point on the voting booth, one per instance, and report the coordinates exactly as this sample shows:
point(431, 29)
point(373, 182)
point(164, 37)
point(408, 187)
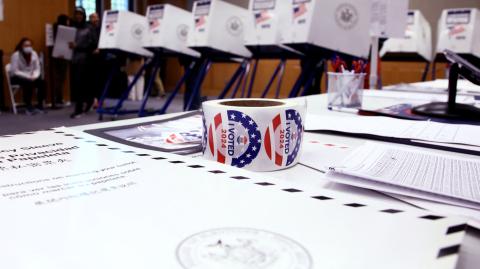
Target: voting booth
point(271, 20)
point(168, 29)
point(219, 29)
point(123, 31)
point(415, 45)
point(459, 31)
point(322, 26)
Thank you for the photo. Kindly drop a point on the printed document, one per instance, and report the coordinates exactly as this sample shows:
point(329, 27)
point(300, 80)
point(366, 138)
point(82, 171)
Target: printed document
point(396, 128)
point(413, 172)
point(61, 49)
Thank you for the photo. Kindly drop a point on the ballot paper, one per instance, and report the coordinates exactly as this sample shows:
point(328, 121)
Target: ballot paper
point(61, 48)
point(416, 173)
point(429, 131)
point(72, 200)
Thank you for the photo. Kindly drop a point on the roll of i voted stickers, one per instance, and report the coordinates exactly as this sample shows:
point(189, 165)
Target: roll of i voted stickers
point(255, 134)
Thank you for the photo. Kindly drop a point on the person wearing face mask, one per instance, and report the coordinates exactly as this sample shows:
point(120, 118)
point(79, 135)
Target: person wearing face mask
point(83, 48)
point(25, 71)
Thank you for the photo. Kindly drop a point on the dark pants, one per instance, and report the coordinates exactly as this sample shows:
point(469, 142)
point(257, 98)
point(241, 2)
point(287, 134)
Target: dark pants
point(190, 84)
point(28, 86)
point(315, 86)
point(59, 77)
point(82, 92)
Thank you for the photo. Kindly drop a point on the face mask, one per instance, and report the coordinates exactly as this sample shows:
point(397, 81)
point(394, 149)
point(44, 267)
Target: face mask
point(27, 50)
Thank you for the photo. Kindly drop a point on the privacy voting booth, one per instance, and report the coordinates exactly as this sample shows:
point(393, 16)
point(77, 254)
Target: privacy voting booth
point(168, 28)
point(122, 34)
point(416, 45)
point(271, 20)
point(167, 34)
point(323, 27)
point(123, 31)
point(459, 31)
point(219, 35)
point(219, 29)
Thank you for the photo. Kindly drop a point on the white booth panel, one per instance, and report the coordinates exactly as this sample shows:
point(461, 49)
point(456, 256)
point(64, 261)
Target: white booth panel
point(220, 26)
point(417, 39)
point(125, 31)
point(459, 31)
point(271, 20)
point(342, 26)
point(388, 18)
point(168, 28)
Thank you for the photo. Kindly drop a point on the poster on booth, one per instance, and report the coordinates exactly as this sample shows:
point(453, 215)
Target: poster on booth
point(202, 9)
point(155, 16)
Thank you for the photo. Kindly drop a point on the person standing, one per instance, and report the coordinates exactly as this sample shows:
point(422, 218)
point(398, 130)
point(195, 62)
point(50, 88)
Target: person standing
point(83, 47)
point(98, 75)
point(25, 71)
point(59, 66)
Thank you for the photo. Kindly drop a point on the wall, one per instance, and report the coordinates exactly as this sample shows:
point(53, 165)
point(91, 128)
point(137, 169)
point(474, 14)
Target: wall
point(28, 18)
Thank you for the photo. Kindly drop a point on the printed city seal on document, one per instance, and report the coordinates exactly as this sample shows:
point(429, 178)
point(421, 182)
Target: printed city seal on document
point(242, 248)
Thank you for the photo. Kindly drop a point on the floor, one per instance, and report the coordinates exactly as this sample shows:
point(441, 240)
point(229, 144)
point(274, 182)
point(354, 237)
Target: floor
point(13, 124)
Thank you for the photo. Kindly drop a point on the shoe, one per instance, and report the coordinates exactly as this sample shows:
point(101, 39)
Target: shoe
point(29, 112)
point(39, 111)
point(76, 115)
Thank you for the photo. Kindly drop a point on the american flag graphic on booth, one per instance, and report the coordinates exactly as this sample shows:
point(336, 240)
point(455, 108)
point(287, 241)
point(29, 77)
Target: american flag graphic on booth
point(283, 138)
point(262, 16)
point(154, 24)
point(110, 27)
point(299, 10)
point(200, 21)
point(235, 140)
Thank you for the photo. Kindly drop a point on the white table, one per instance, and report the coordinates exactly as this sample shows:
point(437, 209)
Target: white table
point(304, 177)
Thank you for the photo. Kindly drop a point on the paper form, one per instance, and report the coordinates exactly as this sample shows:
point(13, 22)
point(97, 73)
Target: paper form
point(176, 212)
point(415, 172)
point(65, 35)
point(396, 128)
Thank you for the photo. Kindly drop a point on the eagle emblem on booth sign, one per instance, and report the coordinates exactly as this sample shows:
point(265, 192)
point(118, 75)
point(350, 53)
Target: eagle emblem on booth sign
point(137, 31)
point(235, 26)
point(346, 16)
point(182, 32)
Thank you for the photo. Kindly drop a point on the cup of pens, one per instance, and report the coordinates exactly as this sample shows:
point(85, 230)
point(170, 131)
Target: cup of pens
point(345, 90)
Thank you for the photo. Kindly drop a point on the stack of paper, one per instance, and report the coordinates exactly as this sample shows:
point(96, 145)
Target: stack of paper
point(414, 173)
point(71, 200)
point(396, 128)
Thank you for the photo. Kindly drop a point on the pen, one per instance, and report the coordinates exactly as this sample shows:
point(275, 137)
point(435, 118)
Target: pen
point(343, 109)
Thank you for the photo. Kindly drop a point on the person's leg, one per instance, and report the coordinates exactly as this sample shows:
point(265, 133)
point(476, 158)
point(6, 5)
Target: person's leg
point(59, 78)
point(140, 88)
point(76, 85)
point(27, 88)
point(160, 89)
point(40, 86)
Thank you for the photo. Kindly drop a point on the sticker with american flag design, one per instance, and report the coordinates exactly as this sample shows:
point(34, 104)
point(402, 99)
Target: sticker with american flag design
point(234, 139)
point(283, 138)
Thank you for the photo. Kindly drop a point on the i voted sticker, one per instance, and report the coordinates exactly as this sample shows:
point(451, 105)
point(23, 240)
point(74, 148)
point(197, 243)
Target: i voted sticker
point(283, 138)
point(234, 139)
